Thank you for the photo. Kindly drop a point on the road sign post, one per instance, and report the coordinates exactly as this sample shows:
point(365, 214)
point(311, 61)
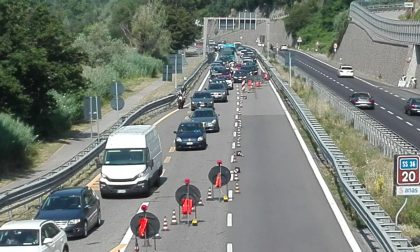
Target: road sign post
point(406, 178)
point(406, 175)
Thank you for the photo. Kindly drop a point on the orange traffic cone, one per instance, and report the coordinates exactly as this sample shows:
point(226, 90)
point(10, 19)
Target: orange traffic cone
point(165, 224)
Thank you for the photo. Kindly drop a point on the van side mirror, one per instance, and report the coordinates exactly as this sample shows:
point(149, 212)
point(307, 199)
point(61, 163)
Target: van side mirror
point(47, 241)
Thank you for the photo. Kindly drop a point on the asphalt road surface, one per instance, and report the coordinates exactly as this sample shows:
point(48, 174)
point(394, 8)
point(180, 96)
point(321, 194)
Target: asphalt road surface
point(389, 100)
point(281, 205)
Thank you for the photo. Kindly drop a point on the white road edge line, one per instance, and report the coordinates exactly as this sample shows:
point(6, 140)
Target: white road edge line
point(127, 237)
point(338, 215)
point(229, 220)
point(229, 247)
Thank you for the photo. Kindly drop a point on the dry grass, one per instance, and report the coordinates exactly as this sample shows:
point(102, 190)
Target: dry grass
point(374, 170)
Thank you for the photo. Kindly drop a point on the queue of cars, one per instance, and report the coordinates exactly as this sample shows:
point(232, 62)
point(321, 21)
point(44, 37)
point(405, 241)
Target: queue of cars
point(192, 134)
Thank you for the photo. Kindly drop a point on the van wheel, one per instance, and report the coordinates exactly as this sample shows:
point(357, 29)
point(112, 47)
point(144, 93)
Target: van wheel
point(157, 180)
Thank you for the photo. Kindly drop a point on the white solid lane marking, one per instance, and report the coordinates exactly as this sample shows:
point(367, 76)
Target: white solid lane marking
point(229, 220)
point(389, 112)
point(409, 123)
point(229, 247)
point(338, 215)
point(399, 117)
point(165, 116)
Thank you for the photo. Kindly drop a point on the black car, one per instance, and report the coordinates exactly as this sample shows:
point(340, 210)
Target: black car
point(201, 99)
point(362, 100)
point(240, 75)
point(76, 210)
point(412, 106)
point(190, 135)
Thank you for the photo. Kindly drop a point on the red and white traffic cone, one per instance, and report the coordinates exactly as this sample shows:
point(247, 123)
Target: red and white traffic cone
point(165, 224)
point(174, 221)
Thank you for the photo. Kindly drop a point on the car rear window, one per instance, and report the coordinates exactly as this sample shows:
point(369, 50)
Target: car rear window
point(346, 68)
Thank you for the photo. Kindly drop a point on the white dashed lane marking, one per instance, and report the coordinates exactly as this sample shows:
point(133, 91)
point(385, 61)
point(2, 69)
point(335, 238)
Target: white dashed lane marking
point(389, 112)
point(383, 108)
point(399, 117)
point(409, 123)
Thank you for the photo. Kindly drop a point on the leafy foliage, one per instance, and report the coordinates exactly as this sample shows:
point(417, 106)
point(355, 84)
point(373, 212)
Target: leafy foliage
point(15, 141)
point(181, 25)
point(149, 31)
point(36, 57)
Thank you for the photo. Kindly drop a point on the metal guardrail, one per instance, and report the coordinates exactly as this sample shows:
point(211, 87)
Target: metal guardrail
point(377, 220)
point(21, 195)
point(406, 32)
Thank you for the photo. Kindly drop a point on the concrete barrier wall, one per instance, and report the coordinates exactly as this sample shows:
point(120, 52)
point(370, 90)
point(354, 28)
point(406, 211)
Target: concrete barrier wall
point(382, 61)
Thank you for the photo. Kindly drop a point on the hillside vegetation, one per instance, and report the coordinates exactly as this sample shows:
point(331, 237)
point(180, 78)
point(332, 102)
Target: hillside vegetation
point(53, 53)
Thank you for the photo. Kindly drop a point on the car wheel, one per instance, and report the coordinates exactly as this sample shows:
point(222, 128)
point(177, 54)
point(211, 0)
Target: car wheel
point(85, 229)
point(99, 218)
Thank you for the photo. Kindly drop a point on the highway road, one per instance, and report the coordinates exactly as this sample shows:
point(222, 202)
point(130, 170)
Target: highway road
point(389, 100)
point(281, 207)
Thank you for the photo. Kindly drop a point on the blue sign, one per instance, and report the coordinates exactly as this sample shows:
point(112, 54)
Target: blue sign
point(409, 163)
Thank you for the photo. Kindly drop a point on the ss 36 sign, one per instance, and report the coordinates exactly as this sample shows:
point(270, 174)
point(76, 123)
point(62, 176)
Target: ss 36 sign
point(406, 175)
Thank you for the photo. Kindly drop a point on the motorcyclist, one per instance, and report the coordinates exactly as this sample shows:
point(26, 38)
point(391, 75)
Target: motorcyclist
point(180, 99)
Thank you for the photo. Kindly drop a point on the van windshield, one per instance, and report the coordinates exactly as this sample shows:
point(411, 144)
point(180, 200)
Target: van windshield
point(124, 157)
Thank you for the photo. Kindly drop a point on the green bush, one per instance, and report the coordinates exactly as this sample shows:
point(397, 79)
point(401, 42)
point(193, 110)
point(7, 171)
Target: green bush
point(15, 141)
point(133, 65)
point(100, 78)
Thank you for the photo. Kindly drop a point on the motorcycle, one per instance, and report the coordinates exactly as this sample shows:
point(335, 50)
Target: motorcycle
point(180, 101)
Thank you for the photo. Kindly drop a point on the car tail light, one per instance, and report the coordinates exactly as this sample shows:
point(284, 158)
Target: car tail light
point(413, 105)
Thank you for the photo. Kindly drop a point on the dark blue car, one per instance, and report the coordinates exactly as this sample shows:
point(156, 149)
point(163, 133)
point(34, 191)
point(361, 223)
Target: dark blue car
point(190, 135)
point(76, 210)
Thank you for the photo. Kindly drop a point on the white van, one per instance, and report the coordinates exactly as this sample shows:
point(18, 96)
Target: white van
point(132, 161)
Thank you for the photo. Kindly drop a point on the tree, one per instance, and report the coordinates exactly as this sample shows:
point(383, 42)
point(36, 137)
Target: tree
point(121, 18)
point(182, 26)
point(149, 31)
point(36, 57)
